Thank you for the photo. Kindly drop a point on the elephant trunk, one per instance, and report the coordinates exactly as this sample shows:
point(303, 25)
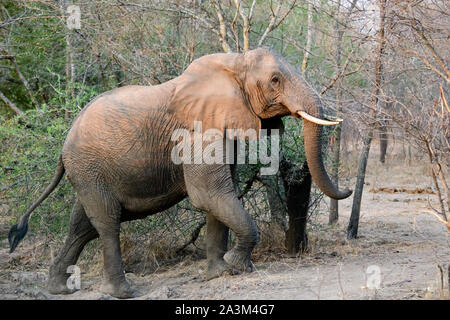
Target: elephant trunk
point(313, 151)
point(302, 101)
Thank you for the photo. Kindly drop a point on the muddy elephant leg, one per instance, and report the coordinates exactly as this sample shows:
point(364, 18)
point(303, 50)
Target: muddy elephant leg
point(210, 188)
point(81, 232)
point(216, 246)
point(104, 212)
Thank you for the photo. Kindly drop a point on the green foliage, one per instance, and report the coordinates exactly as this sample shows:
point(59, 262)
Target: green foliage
point(36, 44)
point(293, 141)
point(30, 145)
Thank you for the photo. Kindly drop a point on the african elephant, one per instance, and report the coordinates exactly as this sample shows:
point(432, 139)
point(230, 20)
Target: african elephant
point(117, 158)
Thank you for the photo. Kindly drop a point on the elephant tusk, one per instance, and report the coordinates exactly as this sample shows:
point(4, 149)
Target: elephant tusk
point(331, 118)
point(310, 118)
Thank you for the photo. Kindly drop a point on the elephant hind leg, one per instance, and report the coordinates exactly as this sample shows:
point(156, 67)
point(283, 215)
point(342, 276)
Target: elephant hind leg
point(231, 213)
point(228, 211)
point(210, 188)
point(81, 232)
point(104, 212)
point(216, 247)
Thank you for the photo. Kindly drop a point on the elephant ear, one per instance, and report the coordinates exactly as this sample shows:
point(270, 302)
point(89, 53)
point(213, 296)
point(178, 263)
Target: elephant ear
point(210, 91)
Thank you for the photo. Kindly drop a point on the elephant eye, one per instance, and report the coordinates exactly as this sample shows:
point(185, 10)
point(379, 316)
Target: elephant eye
point(275, 80)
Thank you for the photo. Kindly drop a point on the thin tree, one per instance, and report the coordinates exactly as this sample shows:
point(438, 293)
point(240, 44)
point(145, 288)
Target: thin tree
point(336, 143)
point(309, 38)
point(352, 230)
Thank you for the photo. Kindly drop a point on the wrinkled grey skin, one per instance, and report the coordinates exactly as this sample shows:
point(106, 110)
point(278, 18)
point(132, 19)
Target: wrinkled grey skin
point(117, 158)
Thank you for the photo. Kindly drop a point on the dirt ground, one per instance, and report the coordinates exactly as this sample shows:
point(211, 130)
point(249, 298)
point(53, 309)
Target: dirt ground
point(397, 238)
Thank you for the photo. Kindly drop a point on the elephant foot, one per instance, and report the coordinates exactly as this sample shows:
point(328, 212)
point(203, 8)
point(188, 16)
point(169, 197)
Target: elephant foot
point(219, 268)
point(122, 290)
point(239, 260)
point(58, 285)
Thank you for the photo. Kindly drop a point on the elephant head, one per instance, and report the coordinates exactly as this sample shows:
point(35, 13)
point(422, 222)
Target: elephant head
point(252, 90)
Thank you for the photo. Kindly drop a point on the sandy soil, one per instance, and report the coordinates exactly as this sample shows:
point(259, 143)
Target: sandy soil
point(396, 236)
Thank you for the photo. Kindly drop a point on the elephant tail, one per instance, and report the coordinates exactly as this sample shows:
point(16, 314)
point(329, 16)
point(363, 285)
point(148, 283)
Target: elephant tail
point(18, 231)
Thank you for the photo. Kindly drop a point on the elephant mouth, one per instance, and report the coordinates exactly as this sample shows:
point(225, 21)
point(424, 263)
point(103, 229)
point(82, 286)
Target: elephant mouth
point(273, 123)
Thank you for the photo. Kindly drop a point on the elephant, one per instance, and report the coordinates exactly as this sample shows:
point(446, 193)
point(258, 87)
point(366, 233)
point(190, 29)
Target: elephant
point(117, 157)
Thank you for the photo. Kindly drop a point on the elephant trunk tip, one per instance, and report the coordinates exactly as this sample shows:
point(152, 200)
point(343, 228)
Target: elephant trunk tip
point(341, 194)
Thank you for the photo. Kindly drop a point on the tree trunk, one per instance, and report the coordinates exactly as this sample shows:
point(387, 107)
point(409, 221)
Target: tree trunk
point(352, 230)
point(383, 142)
point(336, 154)
point(383, 134)
point(70, 61)
point(276, 203)
point(309, 36)
point(336, 145)
point(297, 183)
point(336, 142)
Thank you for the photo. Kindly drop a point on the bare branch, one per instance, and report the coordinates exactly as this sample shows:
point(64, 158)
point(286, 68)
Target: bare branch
point(246, 24)
point(271, 25)
point(223, 28)
point(10, 104)
point(21, 76)
point(309, 36)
